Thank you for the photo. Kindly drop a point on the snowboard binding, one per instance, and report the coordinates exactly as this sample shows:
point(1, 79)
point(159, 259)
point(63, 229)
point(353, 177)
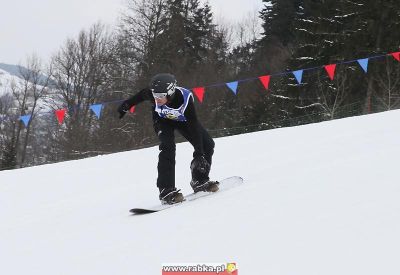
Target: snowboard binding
point(171, 196)
point(206, 186)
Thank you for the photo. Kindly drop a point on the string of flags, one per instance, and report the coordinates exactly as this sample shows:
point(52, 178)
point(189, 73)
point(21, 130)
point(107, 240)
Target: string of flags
point(298, 74)
point(233, 86)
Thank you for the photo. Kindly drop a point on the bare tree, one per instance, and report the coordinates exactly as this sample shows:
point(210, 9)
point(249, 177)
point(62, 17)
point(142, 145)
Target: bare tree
point(80, 73)
point(36, 83)
point(7, 133)
point(331, 97)
point(249, 29)
point(387, 86)
point(27, 92)
point(141, 25)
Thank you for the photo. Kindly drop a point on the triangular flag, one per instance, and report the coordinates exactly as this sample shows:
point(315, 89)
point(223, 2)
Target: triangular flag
point(330, 69)
point(199, 92)
point(132, 109)
point(233, 86)
point(60, 114)
point(396, 56)
point(25, 119)
point(265, 80)
point(299, 75)
point(364, 64)
point(97, 109)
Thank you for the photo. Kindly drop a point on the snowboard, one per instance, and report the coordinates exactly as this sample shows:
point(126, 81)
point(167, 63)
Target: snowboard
point(224, 185)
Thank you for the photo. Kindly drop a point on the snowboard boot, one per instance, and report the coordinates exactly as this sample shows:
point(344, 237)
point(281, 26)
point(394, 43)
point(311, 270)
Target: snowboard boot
point(205, 186)
point(170, 196)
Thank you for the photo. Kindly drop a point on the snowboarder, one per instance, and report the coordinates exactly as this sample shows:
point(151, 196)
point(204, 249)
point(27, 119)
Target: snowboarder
point(173, 109)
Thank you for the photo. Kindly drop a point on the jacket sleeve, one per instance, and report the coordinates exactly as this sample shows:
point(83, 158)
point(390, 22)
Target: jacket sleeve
point(194, 128)
point(143, 95)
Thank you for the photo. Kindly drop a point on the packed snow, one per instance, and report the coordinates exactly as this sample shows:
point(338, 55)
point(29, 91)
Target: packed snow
point(316, 199)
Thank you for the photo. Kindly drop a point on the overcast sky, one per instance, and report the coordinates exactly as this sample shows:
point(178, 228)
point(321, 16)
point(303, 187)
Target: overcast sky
point(42, 26)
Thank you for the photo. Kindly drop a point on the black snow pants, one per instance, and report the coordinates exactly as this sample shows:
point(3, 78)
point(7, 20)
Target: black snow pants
point(166, 159)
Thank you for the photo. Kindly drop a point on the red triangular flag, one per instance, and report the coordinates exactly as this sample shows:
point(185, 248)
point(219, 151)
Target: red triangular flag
point(330, 69)
point(60, 114)
point(265, 80)
point(396, 56)
point(132, 109)
point(199, 92)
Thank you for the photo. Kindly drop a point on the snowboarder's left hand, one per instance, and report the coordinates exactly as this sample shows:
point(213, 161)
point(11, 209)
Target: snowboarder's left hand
point(123, 109)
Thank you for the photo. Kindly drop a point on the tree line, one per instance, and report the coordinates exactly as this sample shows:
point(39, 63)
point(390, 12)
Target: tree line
point(183, 38)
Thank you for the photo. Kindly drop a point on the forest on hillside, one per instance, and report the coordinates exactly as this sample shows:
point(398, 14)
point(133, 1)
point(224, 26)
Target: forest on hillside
point(182, 37)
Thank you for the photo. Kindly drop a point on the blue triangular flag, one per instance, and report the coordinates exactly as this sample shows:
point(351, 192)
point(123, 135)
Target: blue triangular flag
point(97, 109)
point(299, 75)
point(233, 86)
point(364, 64)
point(25, 119)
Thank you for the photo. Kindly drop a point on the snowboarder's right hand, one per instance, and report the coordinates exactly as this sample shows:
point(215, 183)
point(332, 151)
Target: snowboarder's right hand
point(123, 109)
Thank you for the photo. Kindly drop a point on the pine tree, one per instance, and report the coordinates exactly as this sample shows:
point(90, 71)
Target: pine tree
point(272, 54)
point(186, 39)
point(278, 20)
point(317, 35)
point(330, 31)
point(9, 156)
point(374, 26)
point(277, 41)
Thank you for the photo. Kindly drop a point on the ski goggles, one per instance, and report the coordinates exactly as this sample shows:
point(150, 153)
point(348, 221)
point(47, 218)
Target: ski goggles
point(169, 90)
point(159, 95)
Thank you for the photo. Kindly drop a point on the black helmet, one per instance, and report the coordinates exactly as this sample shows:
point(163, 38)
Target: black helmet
point(163, 84)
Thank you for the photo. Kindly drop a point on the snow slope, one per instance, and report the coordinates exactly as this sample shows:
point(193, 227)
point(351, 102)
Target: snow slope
point(317, 199)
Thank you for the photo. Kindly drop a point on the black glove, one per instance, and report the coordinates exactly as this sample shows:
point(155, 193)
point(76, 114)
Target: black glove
point(200, 166)
point(123, 109)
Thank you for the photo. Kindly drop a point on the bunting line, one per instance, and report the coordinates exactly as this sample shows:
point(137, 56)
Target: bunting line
point(60, 115)
point(396, 56)
point(96, 108)
point(265, 81)
point(364, 64)
point(233, 86)
point(298, 75)
point(25, 119)
point(330, 69)
point(199, 92)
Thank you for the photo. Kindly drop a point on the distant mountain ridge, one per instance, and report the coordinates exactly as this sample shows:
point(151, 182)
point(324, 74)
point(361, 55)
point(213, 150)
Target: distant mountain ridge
point(17, 71)
point(14, 70)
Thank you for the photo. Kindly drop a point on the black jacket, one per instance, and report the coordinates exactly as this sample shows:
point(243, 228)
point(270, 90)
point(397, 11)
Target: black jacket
point(191, 125)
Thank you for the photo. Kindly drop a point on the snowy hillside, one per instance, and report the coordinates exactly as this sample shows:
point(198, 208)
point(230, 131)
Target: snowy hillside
point(5, 81)
point(10, 76)
point(318, 199)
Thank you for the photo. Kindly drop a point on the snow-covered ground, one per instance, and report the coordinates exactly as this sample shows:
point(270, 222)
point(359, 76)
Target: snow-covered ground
point(318, 199)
